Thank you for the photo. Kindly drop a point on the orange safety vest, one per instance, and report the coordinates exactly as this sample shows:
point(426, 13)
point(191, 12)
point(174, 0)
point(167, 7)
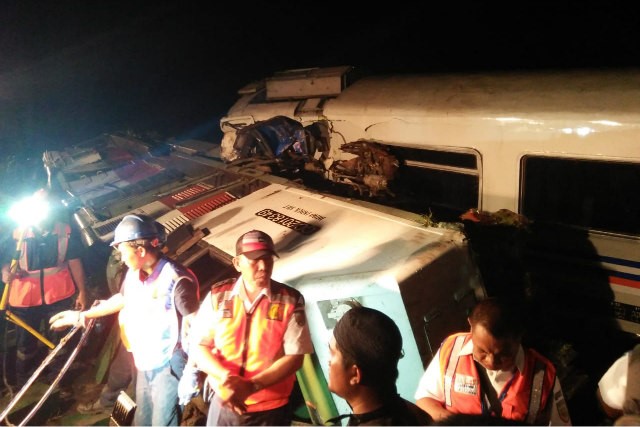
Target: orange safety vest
point(523, 398)
point(50, 284)
point(247, 344)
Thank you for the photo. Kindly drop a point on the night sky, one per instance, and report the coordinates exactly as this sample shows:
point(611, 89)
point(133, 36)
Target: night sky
point(71, 70)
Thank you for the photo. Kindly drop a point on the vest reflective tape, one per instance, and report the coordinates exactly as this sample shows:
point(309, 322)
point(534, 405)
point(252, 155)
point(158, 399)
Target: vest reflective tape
point(63, 231)
point(451, 368)
point(47, 271)
point(536, 391)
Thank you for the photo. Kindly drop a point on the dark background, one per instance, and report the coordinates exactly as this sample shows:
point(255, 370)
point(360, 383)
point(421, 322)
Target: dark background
point(71, 70)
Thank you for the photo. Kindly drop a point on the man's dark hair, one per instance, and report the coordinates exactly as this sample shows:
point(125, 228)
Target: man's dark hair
point(371, 340)
point(501, 317)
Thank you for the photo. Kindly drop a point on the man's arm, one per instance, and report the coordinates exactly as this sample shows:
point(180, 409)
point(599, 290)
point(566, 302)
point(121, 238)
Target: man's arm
point(112, 305)
point(187, 304)
point(429, 395)
point(68, 318)
point(208, 364)
point(434, 408)
point(77, 273)
point(278, 371)
point(201, 342)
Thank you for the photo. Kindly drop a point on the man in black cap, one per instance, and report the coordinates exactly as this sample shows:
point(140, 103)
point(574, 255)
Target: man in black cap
point(365, 350)
point(250, 337)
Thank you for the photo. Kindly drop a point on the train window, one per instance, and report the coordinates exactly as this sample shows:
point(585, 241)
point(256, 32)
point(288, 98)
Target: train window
point(445, 183)
point(591, 194)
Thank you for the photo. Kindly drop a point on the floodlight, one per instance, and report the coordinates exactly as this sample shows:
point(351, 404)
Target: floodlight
point(29, 211)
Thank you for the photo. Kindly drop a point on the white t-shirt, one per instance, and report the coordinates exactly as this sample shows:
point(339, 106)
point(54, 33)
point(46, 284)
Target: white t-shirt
point(613, 384)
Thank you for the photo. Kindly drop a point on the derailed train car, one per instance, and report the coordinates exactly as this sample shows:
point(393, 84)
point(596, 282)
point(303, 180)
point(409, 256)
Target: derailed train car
point(331, 248)
point(558, 150)
point(558, 147)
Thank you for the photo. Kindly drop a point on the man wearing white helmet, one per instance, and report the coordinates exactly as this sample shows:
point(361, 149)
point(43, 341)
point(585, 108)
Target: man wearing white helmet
point(157, 300)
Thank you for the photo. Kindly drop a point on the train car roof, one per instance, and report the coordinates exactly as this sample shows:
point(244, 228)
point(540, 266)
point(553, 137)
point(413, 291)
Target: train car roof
point(579, 91)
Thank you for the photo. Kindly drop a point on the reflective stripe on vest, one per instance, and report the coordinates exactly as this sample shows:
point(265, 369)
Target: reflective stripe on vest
point(536, 392)
point(451, 368)
point(63, 231)
point(47, 271)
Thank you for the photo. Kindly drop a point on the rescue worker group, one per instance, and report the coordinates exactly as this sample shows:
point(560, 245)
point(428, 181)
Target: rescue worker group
point(238, 347)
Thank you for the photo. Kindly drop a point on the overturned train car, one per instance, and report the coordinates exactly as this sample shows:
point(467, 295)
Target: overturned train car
point(332, 249)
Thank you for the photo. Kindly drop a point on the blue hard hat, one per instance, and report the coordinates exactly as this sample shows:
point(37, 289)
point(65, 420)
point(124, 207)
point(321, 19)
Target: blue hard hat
point(137, 227)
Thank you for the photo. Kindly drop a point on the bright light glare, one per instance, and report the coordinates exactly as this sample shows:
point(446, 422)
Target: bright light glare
point(29, 211)
point(581, 131)
point(606, 123)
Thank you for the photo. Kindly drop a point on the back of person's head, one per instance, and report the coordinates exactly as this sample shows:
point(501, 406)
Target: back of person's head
point(371, 340)
point(501, 317)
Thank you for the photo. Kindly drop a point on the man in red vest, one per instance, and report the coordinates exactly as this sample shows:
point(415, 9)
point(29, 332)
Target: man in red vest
point(250, 337)
point(487, 372)
point(49, 278)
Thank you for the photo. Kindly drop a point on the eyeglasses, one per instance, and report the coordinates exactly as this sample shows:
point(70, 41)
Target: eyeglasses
point(132, 244)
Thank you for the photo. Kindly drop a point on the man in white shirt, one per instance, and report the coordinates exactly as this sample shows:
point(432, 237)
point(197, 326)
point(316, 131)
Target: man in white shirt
point(488, 372)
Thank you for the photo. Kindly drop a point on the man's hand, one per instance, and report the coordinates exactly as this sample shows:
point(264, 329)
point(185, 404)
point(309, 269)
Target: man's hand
point(188, 386)
point(81, 301)
point(7, 276)
point(66, 319)
point(239, 389)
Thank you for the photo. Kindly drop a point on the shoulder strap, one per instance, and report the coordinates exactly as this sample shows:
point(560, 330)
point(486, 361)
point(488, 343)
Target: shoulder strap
point(488, 391)
point(535, 401)
point(217, 296)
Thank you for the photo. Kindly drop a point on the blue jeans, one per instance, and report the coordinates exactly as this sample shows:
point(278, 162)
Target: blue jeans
point(121, 373)
point(157, 394)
